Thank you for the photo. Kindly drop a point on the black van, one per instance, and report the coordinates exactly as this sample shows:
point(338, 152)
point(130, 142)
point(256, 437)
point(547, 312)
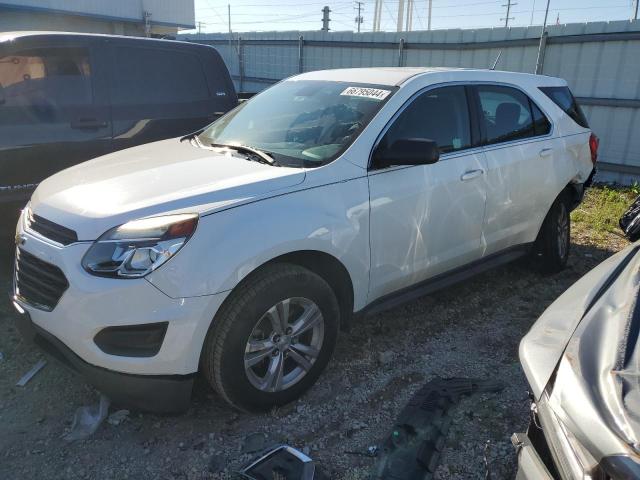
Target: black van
point(66, 98)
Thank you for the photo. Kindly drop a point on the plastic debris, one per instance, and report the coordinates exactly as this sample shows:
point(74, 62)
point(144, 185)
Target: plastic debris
point(87, 419)
point(283, 462)
point(412, 449)
point(31, 373)
point(116, 418)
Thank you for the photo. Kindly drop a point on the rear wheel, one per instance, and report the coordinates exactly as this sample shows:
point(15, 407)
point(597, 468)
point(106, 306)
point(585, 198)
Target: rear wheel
point(272, 338)
point(551, 249)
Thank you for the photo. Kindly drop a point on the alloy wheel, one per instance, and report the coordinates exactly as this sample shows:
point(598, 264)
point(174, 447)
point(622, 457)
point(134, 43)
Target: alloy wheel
point(284, 344)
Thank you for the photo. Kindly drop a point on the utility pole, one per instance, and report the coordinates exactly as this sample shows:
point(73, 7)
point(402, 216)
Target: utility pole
point(543, 42)
point(533, 9)
point(325, 19)
point(359, 19)
point(377, 14)
point(400, 15)
point(429, 16)
point(635, 16)
point(409, 22)
point(507, 18)
point(147, 23)
point(199, 28)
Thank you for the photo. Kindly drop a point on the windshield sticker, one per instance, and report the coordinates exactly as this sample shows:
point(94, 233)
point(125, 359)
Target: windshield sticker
point(374, 93)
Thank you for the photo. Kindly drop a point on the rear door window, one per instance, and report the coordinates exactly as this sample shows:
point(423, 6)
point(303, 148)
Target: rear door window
point(441, 115)
point(47, 77)
point(563, 97)
point(157, 76)
point(506, 114)
point(541, 124)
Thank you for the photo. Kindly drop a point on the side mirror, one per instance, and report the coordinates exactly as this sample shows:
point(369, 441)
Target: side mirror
point(3, 98)
point(407, 151)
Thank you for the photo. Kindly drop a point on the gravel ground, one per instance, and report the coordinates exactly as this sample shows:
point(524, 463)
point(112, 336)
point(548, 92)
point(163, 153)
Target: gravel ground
point(469, 330)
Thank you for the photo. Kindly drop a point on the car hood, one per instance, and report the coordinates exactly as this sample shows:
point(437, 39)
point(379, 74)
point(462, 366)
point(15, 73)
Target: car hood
point(169, 176)
point(584, 352)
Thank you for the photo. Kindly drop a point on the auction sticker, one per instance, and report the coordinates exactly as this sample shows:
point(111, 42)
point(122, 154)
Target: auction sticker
point(375, 93)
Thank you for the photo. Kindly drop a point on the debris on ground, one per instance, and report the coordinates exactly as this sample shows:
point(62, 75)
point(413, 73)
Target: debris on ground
point(87, 419)
point(31, 373)
point(283, 462)
point(412, 450)
point(630, 221)
point(116, 418)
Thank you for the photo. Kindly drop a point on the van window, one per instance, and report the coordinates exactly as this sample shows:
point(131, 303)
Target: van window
point(46, 77)
point(157, 76)
point(441, 115)
point(563, 97)
point(507, 113)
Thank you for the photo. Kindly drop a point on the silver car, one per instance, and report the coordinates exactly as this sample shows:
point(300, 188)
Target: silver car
point(582, 361)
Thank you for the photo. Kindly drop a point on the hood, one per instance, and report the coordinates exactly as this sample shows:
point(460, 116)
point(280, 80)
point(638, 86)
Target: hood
point(596, 388)
point(157, 178)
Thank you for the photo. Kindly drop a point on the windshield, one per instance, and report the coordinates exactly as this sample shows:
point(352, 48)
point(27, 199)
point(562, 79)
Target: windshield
point(300, 123)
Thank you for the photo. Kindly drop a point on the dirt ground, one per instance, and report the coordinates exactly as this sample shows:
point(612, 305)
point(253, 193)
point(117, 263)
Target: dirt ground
point(469, 330)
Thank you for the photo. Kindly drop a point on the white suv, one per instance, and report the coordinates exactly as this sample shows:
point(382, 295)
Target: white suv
point(331, 193)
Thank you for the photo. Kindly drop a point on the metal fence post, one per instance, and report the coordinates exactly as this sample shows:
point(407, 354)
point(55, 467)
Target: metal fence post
point(401, 53)
point(300, 54)
point(240, 64)
point(541, 49)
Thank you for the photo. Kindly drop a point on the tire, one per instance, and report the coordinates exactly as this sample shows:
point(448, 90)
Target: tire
point(551, 248)
point(253, 312)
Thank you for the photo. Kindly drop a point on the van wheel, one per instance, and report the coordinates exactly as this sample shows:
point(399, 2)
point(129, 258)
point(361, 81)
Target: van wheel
point(551, 248)
point(272, 338)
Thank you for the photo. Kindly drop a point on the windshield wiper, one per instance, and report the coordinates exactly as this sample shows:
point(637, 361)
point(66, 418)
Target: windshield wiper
point(261, 156)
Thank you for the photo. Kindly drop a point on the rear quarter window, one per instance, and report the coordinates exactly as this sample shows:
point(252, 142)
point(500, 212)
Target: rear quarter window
point(564, 99)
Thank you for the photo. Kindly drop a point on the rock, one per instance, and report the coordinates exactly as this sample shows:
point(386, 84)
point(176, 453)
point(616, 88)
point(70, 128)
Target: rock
point(385, 358)
point(116, 418)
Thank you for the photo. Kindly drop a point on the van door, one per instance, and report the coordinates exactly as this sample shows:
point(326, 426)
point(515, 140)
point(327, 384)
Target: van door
point(157, 93)
point(53, 110)
point(427, 219)
point(522, 178)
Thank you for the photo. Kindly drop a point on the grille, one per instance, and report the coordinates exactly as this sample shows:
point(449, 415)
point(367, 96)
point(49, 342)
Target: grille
point(37, 282)
point(51, 230)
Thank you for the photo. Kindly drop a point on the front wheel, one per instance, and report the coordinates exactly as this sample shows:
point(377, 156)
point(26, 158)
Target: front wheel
point(272, 338)
point(551, 248)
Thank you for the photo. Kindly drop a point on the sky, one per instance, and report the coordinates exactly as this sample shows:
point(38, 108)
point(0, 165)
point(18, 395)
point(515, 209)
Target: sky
point(282, 15)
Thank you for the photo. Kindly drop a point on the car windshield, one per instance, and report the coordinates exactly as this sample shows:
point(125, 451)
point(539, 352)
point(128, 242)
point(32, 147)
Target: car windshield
point(300, 123)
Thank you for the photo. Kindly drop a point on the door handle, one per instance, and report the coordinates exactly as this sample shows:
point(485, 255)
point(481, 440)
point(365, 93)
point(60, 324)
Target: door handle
point(88, 123)
point(471, 174)
point(545, 152)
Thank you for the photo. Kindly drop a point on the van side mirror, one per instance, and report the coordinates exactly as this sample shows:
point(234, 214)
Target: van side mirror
point(406, 151)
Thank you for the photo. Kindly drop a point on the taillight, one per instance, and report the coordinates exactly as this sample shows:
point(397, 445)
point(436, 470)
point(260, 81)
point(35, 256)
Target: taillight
point(594, 142)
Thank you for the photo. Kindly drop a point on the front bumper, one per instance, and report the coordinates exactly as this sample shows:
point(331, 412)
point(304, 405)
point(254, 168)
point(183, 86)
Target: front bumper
point(152, 393)
point(91, 304)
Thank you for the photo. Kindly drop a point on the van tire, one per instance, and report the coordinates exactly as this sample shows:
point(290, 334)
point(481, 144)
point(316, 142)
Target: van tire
point(224, 357)
point(551, 248)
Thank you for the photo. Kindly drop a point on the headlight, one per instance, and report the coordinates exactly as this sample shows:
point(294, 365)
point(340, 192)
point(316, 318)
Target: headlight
point(137, 248)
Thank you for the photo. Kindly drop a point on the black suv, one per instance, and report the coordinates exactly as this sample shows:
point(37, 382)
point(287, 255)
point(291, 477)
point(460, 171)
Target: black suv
point(66, 98)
